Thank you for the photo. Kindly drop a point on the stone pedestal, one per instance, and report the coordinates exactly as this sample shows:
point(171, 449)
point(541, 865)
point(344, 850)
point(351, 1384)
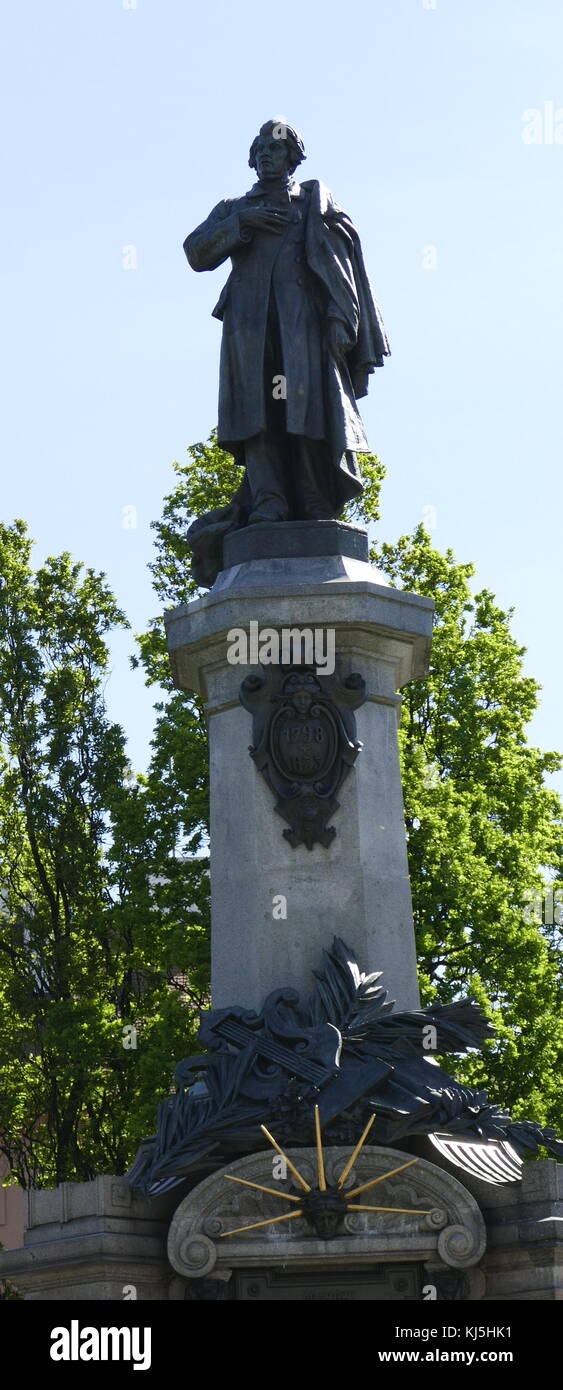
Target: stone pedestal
point(525, 1224)
point(275, 907)
point(524, 1221)
point(92, 1241)
point(95, 1241)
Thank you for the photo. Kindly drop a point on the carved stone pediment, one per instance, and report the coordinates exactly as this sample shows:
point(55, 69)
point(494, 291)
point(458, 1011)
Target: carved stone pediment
point(440, 1223)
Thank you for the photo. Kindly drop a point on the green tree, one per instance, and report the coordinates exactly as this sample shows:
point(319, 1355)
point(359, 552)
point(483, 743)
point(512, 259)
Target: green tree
point(484, 829)
point(484, 832)
point(98, 890)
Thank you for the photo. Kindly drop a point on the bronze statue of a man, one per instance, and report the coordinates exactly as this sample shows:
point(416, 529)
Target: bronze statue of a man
point(301, 334)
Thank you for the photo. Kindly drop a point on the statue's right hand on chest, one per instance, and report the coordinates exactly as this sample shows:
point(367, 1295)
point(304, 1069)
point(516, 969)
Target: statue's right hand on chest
point(263, 219)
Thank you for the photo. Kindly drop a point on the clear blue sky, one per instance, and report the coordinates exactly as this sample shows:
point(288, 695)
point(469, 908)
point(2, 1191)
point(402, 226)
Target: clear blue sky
point(124, 126)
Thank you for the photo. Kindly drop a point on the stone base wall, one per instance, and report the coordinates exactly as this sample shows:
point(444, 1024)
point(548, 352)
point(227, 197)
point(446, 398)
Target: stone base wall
point(92, 1241)
point(95, 1241)
point(524, 1257)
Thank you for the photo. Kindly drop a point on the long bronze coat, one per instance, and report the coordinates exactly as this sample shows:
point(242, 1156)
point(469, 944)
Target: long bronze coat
point(315, 271)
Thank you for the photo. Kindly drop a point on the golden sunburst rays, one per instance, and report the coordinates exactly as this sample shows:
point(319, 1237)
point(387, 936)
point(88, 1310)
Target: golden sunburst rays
point(348, 1205)
point(272, 1192)
point(287, 1160)
point(374, 1181)
point(272, 1221)
point(354, 1154)
point(320, 1155)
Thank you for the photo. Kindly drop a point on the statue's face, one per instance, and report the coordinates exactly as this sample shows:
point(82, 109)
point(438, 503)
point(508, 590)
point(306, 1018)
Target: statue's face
point(327, 1224)
point(271, 155)
point(325, 1212)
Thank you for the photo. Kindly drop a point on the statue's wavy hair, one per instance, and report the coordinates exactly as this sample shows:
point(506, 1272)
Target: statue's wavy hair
point(292, 138)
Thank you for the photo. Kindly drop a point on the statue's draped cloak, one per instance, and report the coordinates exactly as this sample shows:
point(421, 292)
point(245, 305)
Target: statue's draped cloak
point(321, 390)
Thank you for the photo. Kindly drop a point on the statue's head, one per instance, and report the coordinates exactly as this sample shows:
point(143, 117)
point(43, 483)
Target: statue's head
point(277, 149)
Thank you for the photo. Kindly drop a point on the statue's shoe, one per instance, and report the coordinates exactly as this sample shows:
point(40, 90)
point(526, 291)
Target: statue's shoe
point(256, 517)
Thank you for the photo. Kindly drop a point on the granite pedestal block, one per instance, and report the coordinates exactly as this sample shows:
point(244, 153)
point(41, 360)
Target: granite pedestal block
point(275, 907)
point(92, 1241)
point(95, 1241)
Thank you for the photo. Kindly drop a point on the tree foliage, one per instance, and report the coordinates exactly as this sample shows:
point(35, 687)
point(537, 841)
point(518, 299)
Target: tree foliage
point(97, 896)
point(485, 832)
